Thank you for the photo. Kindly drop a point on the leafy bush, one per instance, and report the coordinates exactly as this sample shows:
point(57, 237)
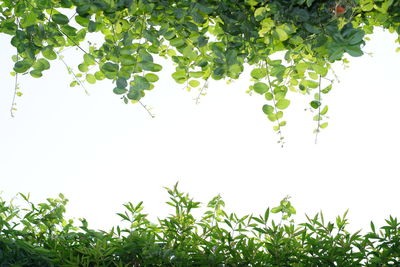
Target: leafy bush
point(39, 235)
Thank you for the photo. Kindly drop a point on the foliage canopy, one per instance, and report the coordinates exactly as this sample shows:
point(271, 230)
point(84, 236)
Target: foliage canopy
point(40, 235)
point(290, 44)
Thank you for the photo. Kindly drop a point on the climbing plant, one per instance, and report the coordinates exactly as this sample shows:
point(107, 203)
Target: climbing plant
point(289, 44)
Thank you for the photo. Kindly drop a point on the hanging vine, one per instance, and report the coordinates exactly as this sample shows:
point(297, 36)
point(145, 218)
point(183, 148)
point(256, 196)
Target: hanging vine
point(290, 44)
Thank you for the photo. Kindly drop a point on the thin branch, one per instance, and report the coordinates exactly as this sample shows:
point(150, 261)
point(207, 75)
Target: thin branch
point(274, 102)
point(72, 16)
point(13, 104)
point(205, 86)
point(319, 111)
point(147, 109)
point(73, 73)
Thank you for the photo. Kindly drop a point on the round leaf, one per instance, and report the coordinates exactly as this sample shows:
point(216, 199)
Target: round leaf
point(260, 87)
point(60, 19)
point(315, 104)
point(194, 83)
point(267, 109)
point(151, 77)
point(282, 103)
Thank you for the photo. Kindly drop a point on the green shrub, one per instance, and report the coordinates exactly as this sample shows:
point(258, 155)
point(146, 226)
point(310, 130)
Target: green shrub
point(39, 235)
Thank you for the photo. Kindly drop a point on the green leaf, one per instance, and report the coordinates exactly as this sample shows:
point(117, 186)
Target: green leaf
point(280, 34)
point(311, 84)
point(36, 73)
point(235, 70)
point(150, 66)
point(171, 52)
point(317, 117)
point(315, 104)
point(272, 117)
point(194, 83)
point(260, 87)
point(336, 53)
point(283, 103)
point(291, 210)
point(89, 59)
point(22, 66)
point(92, 26)
point(258, 73)
point(327, 89)
point(68, 30)
point(276, 209)
point(324, 110)
point(321, 70)
point(367, 5)
point(269, 96)
point(278, 71)
point(202, 41)
point(60, 19)
point(49, 53)
point(83, 67)
point(110, 67)
point(140, 83)
point(259, 13)
point(29, 20)
point(323, 125)
point(177, 42)
point(354, 51)
point(179, 75)
point(151, 77)
point(301, 67)
point(128, 60)
point(189, 53)
point(313, 75)
point(99, 75)
point(356, 37)
point(82, 21)
point(90, 78)
point(267, 109)
point(119, 91)
point(41, 64)
point(145, 56)
point(134, 95)
point(122, 83)
point(196, 74)
point(311, 28)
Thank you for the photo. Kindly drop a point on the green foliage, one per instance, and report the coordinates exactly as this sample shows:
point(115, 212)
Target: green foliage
point(39, 235)
point(289, 44)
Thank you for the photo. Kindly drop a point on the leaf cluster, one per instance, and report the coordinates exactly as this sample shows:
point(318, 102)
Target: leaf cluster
point(40, 235)
point(204, 39)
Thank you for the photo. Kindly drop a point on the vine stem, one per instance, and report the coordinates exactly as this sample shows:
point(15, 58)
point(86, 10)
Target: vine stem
point(136, 60)
point(73, 73)
point(15, 93)
point(319, 111)
point(145, 107)
point(13, 104)
point(201, 92)
point(274, 102)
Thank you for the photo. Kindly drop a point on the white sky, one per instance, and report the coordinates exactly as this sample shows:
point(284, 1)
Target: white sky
point(101, 153)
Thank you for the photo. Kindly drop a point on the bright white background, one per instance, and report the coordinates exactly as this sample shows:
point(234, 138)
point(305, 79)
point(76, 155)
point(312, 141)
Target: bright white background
point(102, 153)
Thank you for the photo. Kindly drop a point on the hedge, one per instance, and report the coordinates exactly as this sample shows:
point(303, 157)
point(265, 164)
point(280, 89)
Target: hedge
point(39, 235)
